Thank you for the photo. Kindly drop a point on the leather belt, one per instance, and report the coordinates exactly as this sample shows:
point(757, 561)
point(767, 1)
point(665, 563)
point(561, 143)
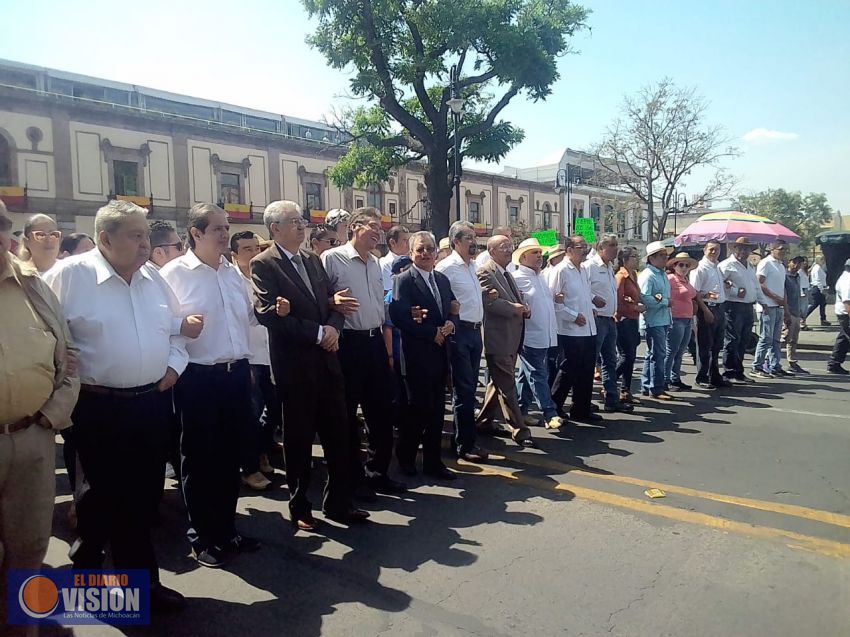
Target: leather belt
point(375, 331)
point(470, 325)
point(712, 303)
point(20, 425)
point(117, 392)
point(228, 367)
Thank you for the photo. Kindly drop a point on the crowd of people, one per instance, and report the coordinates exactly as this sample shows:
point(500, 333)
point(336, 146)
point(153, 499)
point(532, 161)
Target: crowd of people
point(145, 350)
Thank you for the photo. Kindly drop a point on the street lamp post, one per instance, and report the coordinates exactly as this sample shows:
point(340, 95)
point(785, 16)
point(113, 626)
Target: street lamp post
point(564, 182)
point(680, 200)
point(456, 106)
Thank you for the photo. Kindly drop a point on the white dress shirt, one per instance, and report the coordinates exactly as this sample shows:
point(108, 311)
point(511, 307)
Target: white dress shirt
point(258, 335)
point(541, 328)
point(842, 294)
point(740, 275)
point(574, 283)
point(818, 276)
point(219, 295)
point(386, 263)
point(482, 258)
point(602, 284)
point(773, 272)
point(125, 332)
point(705, 278)
point(465, 286)
point(346, 269)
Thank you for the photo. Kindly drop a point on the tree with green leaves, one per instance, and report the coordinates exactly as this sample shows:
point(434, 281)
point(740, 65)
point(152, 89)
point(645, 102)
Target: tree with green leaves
point(805, 215)
point(650, 149)
point(401, 52)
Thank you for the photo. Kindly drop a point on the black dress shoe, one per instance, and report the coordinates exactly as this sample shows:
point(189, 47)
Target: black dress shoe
point(349, 516)
point(589, 417)
point(621, 407)
point(213, 557)
point(241, 544)
point(721, 382)
point(836, 369)
point(441, 473)
point(680, 385)
point(385, 484)
point(707, 386)
point(304, 522)
point(166, 600)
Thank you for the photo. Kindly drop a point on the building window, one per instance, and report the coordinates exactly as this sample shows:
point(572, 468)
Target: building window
point(126, 175)
point(5, 163)
point(474, 212)
point(358, 202)
point(621, 222)
point(313, 194)
point(608, 220)
point(513, 215)
point(373, 196)
point(595, 213)
point(393, 209)
point(547, 216)
point(229, 187)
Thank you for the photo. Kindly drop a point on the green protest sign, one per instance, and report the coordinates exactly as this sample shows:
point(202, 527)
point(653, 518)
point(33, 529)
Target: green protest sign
point(546, 237)
point(586, 228)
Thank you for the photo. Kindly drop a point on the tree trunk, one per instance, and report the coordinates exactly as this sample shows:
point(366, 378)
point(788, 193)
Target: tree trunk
point(439, 196)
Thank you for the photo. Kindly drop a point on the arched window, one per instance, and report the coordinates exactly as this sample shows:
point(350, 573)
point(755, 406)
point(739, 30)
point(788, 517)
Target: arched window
point(547, 216)
point(608, 220)
point(5, 163)
point(373, 196)
point(595, 214)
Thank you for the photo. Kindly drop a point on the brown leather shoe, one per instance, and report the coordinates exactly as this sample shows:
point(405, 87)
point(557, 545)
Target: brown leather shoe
point(305, 522)
point(476, 454)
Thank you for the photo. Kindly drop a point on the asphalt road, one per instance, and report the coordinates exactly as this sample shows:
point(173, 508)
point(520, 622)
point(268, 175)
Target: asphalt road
point(752, 538)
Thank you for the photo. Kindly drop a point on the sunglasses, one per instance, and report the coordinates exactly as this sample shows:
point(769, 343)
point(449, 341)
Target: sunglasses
point(331, 242)
point(425, 250)
point(176, 246)
point(41, 235)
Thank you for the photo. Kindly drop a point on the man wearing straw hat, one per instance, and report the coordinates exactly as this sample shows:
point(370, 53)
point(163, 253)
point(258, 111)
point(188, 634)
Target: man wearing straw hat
point(742, 287)
point(656, 320)
point(541, 334)
point(711, 323)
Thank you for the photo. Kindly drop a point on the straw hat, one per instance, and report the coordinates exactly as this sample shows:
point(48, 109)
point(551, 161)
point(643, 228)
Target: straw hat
point(682, 257)
point(743, 241)
point(554, 251)
point(525, 246)
point(445, 244)
point(655, 247)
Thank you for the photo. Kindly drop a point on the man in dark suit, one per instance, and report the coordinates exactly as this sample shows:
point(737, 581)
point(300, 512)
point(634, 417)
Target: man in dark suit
point(303, 346)
point(504, 325)
point(421, 291)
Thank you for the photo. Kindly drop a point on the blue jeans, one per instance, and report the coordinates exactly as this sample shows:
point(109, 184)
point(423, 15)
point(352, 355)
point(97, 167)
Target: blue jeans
point(677, 344)
point(466, 347)
point(652, 377)
point(532, 380)
point(628, 339)
point(606, 347)
point(770, 330)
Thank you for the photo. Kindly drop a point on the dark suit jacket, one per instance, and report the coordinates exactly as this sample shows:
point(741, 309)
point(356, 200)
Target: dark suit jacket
point(422, 355)
point(295, 356)
point(503, 329)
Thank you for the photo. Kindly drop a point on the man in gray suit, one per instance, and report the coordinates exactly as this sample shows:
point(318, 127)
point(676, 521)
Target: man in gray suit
point(504, 323)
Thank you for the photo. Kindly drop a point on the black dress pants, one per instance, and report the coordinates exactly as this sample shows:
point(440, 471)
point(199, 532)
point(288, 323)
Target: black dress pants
point(368, 383)
point(214, 405)
point(308, 409)
point(424, 422)
point(122, 443)
point(575, 373)
point(709, 343)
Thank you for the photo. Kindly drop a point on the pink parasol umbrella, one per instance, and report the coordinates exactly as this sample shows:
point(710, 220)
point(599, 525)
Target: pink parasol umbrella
point(728, 226)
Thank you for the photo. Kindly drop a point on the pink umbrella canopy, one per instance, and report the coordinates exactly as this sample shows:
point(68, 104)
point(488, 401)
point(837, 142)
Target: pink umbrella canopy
point(728, 226)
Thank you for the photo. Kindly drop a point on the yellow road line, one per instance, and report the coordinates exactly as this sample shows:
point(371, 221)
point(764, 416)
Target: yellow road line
point(827, 517)
point(793, 540)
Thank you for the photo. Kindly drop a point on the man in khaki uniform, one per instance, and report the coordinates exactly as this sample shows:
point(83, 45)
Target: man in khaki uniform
point(37, 394)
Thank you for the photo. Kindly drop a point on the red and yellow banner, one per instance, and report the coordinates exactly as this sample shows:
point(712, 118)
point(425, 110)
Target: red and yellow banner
point(318, 216)
point(13, 196)
point(480, 229)
point(144, 202)
point(238, 210)
point(386, 222)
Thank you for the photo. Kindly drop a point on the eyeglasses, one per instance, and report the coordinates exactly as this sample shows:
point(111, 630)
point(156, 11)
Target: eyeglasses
point(41, 235)
point(176, 246)
point(683, 265)
point(293, 221)
point(331, 242)
point(425, 250)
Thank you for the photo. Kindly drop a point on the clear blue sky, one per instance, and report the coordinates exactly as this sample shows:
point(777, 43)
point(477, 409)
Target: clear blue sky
point(780, 66)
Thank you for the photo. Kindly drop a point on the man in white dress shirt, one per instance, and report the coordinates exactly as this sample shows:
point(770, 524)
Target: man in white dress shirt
point(603, 285)
point(842, 312)
point(708, 281)
point(818, 290)
point(126, 323)
point(541, 335)
point(258, 440)
point(742, 287)
point(771, 275)
point(214, 394)
point(398, 241)
point(576, 333)
point(466, 344)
